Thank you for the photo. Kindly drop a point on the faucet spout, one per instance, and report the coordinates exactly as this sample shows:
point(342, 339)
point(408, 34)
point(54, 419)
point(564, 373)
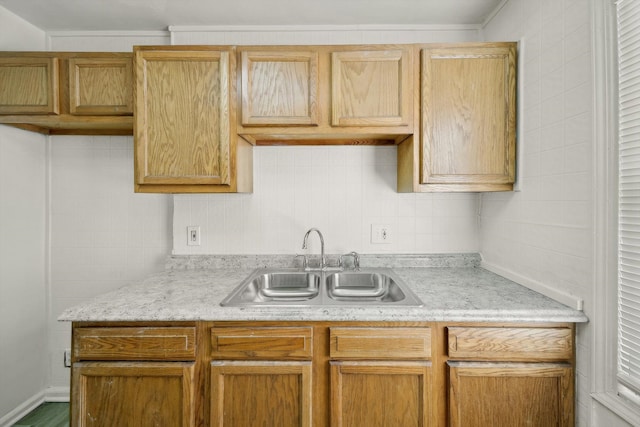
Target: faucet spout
point(323, 260)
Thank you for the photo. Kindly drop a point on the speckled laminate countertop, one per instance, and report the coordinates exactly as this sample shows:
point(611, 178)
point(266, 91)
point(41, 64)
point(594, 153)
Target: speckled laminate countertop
point(452, 287)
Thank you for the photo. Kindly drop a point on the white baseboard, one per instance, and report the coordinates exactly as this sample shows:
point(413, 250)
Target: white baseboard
point(51, 394)
point(22, 410)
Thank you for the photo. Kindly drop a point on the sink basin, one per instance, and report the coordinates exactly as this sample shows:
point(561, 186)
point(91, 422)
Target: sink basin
point(363, 286)
point(287, 287)
point(278, 286)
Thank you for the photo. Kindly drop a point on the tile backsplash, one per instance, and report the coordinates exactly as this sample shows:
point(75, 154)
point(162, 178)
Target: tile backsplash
point(341, 190)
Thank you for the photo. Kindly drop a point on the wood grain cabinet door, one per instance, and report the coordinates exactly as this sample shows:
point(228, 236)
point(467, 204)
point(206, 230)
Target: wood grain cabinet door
point(29, 85)
point(101, 86)
point(279, 88)
point(182, 123)
point(261, 393)
point(469, 116)
point(510, 394)
point(380, 394)
point(128, 394)
point(371, 88)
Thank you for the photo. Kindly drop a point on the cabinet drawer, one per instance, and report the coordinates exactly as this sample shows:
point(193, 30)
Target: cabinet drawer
point(262, 342)
point(510, 343)
point(380, 343)
point(131, 343)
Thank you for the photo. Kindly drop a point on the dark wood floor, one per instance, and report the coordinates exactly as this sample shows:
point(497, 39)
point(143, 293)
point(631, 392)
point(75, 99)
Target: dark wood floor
point(49, 414)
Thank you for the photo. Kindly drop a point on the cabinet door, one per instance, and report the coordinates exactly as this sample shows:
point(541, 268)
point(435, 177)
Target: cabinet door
point(29, 85)
point(377, 394)
point(100, 86)
point(182, 124)
point(133, 394)
point(260, 394)
point(469, 116)
point(279, 87)
point(510, 394)
point(371, 88)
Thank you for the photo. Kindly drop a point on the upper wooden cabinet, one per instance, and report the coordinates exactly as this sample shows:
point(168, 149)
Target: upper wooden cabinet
point(371, 88)
point(279, 88)
point(326, 94)
point(468, 129)
point(29, 85)
point(100, 86)
point(183, 114)
point(67, 92)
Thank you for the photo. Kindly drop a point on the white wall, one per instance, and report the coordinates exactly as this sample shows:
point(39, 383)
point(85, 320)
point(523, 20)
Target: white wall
point(545, 232)
point(23, 292)
point(341, 190)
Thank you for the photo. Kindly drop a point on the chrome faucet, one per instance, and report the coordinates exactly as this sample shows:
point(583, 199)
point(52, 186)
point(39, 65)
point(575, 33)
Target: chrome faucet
point(323, 260)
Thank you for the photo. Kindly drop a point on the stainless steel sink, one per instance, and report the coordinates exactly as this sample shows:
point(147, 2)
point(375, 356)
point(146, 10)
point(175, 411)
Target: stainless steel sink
point(278, 287)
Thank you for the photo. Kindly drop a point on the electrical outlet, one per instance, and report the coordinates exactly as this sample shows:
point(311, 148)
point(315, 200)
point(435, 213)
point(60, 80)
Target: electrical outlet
point(381, 233)
point(67, 358)
point(193, 235)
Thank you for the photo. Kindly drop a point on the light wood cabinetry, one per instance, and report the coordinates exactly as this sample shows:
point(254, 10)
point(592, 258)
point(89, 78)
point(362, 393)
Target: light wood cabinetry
point(134, 376)
point(263, 376)
point(510, 376)
point(380, 376)
point(323, 373)
point(29, 85)
point(468, 121)
point(326, 94)
point(279, 87)
point(183, 113)
point(67, 92)
point(101, 86)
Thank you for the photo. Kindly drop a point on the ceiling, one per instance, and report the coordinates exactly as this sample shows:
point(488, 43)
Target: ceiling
point(120, 15)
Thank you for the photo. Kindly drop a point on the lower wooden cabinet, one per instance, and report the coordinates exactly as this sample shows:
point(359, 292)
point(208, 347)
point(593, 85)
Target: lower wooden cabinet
point(510, 394)
point(321, 374)
point(391, 393)
point(261, 393)
point(158, 394)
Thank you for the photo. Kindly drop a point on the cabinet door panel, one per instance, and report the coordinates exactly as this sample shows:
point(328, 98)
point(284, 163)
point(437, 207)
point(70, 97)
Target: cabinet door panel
point(370, 88)
point(260, 394)
point(182, 117)
point(279, 88)
point(133, 394)
point(377, 394)
point(510, 394)
point(468, 115)
point(100, 86)
point(29, 85)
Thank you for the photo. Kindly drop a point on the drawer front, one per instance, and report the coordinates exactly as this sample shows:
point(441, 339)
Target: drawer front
point(262, 343)
point(380, 343)
point(135, 343)
point(510, 343)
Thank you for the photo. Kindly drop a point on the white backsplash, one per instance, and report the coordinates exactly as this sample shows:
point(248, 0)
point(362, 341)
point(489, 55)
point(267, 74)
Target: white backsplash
point(341, 190)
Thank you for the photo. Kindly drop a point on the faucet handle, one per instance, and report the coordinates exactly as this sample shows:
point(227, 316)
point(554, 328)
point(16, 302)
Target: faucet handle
point(305, 262)
point(356, 259)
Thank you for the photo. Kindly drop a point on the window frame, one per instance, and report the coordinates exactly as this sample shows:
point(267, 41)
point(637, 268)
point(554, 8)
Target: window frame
point(606, 386)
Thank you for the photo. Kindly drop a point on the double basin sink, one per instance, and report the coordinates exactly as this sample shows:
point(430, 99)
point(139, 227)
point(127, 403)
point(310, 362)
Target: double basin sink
point(296, 287)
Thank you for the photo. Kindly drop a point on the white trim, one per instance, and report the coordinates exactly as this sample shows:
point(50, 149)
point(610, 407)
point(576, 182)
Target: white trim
point(57, 394)
point(604, 198)
point(316, 28)
point(563, 297)
point(617, 405)
point(72, 33)
point(23, 409)
point(51, 394)
point(493, 14)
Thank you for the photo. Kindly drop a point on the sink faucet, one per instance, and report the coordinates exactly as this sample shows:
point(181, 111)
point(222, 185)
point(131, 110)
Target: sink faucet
point(323, 260)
